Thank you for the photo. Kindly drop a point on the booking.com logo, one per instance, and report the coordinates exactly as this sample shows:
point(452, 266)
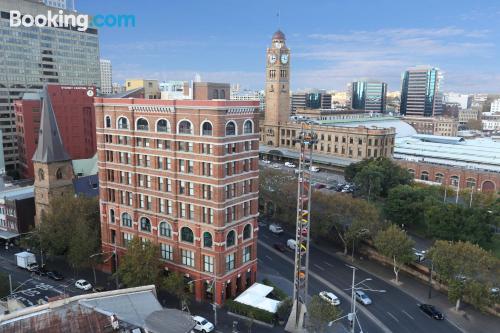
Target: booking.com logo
point(80, 21)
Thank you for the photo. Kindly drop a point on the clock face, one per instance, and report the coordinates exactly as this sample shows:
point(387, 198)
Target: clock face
point(272, 58)
point(284, 58)
point(90, 93)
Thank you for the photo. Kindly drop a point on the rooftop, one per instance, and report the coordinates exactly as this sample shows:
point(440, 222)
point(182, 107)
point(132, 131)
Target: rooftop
point(402, 128)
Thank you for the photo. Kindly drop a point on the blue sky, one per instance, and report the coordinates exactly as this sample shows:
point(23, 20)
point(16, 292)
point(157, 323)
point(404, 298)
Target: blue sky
point(332, 42)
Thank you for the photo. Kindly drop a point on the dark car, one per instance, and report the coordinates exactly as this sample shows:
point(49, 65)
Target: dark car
point(280, 247)
point(339, 187)
point(319, 186)
point(54, 275)
point(431, 311)
point(39, 271)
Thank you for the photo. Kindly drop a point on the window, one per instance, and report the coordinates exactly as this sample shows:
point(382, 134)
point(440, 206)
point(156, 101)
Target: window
point(107, 122)
point(126, 220)
point(185, 127)
point(41, 174)
point(215, 94)
point(208, 264)
point(248, 127)
point(471, 183)
point(111, 216)
point(122, 123)
point(145, 224)
point(439, 178)
point(229, 262)
point(206, 128)
point(187, 235)
point(231, 128)
point(187, 257)
point(166, 251)
point(424, 175)
point(231, 239)
point(163, 126)
point(127, 238)
point(142, 124)
point(207, 239)
point(247, 253)
point(454, 180)
point(247, 231)
point(165, 229)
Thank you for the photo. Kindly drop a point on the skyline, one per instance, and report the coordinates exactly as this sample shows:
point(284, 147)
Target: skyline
point(332, 43)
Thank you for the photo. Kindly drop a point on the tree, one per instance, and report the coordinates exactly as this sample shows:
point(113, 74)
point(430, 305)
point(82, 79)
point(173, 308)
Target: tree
point(279, 191)
point(395, 244)
point(174, 284)
point(284, 308)
point(141, 264)
point(320, 313)
point(369, 179)
point(475, 124)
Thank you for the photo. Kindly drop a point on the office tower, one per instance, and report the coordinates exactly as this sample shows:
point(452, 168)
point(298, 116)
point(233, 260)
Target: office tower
point(313, 99)
point(33, 56)
point(184, 175)
point(421, 92)
point(106, 77)
point(370, 96)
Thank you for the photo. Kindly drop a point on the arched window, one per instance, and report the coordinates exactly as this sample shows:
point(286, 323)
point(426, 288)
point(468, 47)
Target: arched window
point(231, 128)
point(122, 123)
point(145, 224)
point(454, 180)
point(165, 229)
point(163, 126)
point(185, 127)
point(424, 175)
point(207, 239)
point(111, 216)
point(412, 172)
point(59, 174)
point(247, 231)
point(142, 124)
point(471, 183)
point(222, 94)
point(231, 238)
point(206, 128)
point(439, 178)
point(187, 235)
point(41, 174)
point(108, 122)
point(126, 220)
point(216, 94)
point(248, 127)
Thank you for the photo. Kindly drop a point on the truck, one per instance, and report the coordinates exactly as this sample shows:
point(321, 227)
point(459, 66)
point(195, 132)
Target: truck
point(26, 260)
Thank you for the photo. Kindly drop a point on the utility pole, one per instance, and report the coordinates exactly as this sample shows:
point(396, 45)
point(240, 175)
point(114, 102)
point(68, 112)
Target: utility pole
point(353, 300)
point(430, 279)
point(458, 190)
point(116, 266)
point(215, 301)
point(10, 284)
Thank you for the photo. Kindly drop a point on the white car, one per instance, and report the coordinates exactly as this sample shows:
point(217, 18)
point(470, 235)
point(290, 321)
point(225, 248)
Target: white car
point(314, 169)
point(419, 255)
point(275, 229)
point(362, 297)
point(83, 285)
point(330, 297)
point(266, 161)
point(276, 166)
point(290, 165)
point(203, 325)
point(291, 243)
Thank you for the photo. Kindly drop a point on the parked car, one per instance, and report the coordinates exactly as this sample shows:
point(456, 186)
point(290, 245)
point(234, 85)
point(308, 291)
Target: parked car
point(319, 186)
point(280, 247)
point(290, 165)
point(330, 297)
point(291, 243)
point(419, 255)
point(339, 187)
point(431, 311)
point(314, 169)
point(266, 161)
point(362, 297)
point(203, 325)
point(275, 166)
point(39, 271)
point(83, 285)
point(275, 229)
point(54, 275)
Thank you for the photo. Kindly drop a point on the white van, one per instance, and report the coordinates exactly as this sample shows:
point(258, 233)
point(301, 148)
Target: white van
point(291, 243)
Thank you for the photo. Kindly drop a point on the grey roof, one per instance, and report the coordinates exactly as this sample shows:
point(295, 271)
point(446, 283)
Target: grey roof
point(169, 321)
point(319, 158)
point(85, 167)
point(125, 94)
point(50, 147)
point(87, 186)
point(403, 129)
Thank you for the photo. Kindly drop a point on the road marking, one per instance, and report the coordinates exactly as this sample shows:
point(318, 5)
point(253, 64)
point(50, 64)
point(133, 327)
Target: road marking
point(268, 257)
point(319, 267)
point(406, 313)
point(390, 314)
point(327, 263)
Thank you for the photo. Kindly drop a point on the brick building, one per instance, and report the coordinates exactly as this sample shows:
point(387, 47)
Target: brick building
point(74, 111)
point(183, 174)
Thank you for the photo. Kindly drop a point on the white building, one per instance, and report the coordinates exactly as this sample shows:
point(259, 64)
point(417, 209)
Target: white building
point(249, 95)
point(455, 98)
point(491, 121)
point(173, 89)
point(495, 106)
point(106, 77)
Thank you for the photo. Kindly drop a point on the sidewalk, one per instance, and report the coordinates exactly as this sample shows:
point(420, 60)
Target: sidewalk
point(468, 320)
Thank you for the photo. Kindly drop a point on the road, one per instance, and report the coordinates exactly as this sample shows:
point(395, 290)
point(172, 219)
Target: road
point(396, 310)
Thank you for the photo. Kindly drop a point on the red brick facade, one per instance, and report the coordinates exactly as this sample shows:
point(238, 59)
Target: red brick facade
point(451, 176)
point(201, 183)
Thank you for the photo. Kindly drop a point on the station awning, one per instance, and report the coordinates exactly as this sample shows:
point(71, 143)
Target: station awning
point(4, 234)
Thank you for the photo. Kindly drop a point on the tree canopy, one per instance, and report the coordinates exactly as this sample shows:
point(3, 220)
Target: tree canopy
point(320, 313)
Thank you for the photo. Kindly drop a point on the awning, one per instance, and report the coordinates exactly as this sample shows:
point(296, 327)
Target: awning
point(256, 296)
point(4, 234)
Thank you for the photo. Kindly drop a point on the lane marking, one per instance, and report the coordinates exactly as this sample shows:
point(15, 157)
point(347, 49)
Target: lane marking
point(319, 267)
point(406, 313)
point(327, 263)
point(393, 317)
point(268, 257)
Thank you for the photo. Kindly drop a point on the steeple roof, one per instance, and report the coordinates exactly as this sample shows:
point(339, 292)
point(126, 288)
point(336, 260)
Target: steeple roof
point(50, 147)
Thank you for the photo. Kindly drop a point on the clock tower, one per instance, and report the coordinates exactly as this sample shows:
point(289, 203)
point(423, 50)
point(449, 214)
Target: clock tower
point(277, 81)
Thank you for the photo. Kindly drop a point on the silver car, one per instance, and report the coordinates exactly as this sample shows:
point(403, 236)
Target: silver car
point(362, 297)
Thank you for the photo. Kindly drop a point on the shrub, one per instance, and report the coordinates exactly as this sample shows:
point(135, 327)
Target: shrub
point(284, 309)
point(250, 311)
point(279, 294)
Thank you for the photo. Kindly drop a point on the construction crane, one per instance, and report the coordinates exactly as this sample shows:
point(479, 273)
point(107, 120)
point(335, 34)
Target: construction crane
point(306, 139)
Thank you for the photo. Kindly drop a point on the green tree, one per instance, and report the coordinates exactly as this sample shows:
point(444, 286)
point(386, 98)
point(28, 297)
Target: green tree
point(174, 284)
point(370, 179)
point(141, 264)
point(320, 313)
point(394, 243)
point(278, 193)
point(284, 309)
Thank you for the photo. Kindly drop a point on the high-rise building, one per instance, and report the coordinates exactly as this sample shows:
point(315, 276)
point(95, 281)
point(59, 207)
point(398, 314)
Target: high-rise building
point(463, 100)
point(370, 96)
point(421, 92)
point(313, 99)
point(73, 107)
point(106, 77)
point(33, 56)
point(184, 175)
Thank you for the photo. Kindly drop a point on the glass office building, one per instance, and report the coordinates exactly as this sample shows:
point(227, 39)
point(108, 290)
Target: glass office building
point(370, 96)
point(31, 57)
point(421, 92)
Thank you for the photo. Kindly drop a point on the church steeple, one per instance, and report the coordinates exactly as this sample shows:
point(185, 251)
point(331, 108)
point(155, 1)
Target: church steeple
point(50, 147)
